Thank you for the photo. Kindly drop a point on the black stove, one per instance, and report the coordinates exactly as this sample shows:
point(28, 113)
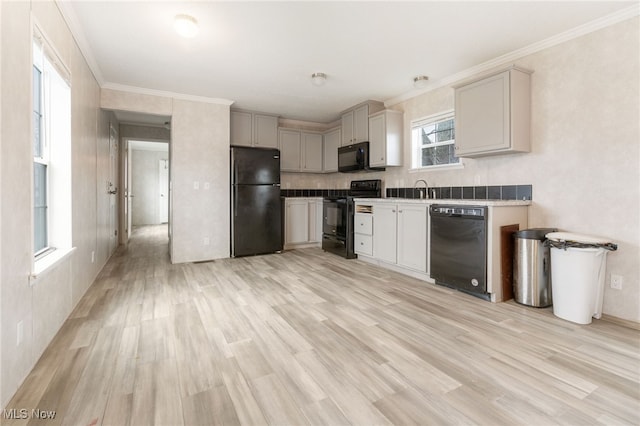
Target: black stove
point(337, 225)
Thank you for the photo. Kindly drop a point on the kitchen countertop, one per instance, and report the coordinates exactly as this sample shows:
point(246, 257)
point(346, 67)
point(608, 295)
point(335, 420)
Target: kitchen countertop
point(492, 203)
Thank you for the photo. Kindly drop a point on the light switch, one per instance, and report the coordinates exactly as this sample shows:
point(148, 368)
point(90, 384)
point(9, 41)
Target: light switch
point(206, 185)
point(196, 185)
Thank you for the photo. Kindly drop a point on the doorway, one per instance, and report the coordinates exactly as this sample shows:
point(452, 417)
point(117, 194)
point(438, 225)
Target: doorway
point(113, 189)
point(148, 169)
point(163, 191)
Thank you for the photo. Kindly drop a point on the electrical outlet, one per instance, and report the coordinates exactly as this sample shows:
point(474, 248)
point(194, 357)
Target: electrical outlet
point(206, 241)
point(616, 281)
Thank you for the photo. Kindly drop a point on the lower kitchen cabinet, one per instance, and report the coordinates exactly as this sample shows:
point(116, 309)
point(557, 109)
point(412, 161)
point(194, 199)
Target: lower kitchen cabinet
point(302, 222)
point(385, 232)
point(400, 234)
point(412, 236)
point(396, 234)
point(363, 233)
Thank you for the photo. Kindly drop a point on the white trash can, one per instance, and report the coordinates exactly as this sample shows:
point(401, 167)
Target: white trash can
point(578, 264)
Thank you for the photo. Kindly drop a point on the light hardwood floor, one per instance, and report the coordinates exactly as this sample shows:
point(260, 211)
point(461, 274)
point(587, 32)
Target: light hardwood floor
point(306, 337)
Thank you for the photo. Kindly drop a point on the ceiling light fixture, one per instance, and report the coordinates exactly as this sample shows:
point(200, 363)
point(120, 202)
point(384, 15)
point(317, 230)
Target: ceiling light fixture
point(186, 25)
point(420, 81)
point(318, 78)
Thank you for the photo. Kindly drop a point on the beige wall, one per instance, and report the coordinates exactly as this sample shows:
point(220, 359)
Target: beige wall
point(584, 157)
point(199, 153)
point(1, 204)
point(43, 305)
point(199, 156)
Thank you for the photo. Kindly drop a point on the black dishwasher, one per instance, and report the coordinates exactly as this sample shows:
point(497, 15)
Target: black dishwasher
point(459, 248)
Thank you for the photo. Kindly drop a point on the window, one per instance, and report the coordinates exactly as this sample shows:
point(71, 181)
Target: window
point(433, 141)
point(40, 160)
point(51, 126)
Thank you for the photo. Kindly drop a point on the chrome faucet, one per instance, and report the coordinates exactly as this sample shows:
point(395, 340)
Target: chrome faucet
point(424, 194)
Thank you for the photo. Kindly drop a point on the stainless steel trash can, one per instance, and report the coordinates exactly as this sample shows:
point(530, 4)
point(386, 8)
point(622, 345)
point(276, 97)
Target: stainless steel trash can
point(532, 268)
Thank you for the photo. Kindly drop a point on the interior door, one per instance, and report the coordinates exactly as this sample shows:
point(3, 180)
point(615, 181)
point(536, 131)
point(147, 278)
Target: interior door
point(163, 191)
point(129, 196)
point(113, 189)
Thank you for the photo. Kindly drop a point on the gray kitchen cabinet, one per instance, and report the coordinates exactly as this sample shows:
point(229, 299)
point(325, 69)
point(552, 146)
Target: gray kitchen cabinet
point(332, 140)
point(300, 151)
point(355, 125)
point(400, 234)
point(394, 235)
point(363, 233)
point(315, 220)
point(492, 114)
point(312, 150)
point(385, 232)
point(254, 129)
point(302, 222)
point(412, 236)
point(385, 138)
point(290, 152)
point(296, 230)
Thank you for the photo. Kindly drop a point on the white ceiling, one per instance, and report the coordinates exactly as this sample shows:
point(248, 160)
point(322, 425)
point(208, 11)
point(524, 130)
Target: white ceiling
point(261, 54)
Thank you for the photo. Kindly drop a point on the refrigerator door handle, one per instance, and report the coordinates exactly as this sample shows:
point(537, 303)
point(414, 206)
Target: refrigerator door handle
point(235, 200)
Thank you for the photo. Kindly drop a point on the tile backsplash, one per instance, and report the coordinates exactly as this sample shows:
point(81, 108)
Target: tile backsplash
point(314, 192)
point(493, 192)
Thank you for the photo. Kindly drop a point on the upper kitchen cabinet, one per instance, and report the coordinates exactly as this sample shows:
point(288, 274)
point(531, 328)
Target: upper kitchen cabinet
point(254, 129)
point(290, 150)
point(385, 138)
point(355, 122)
point(300, 151)
point(332, 140)
point(311, 160)
point(492, 114)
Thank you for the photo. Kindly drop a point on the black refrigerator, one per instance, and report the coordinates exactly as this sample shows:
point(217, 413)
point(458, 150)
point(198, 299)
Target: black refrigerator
point(256, 209)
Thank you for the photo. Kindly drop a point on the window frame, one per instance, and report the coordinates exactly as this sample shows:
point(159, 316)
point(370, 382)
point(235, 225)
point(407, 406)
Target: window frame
point(43, 159)
point(54, 152)
point(417, 146)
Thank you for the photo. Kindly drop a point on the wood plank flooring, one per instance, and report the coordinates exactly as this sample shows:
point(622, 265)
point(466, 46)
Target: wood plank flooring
point(307, 337)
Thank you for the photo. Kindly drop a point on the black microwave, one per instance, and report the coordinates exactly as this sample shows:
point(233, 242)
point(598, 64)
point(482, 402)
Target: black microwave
point(354, 158)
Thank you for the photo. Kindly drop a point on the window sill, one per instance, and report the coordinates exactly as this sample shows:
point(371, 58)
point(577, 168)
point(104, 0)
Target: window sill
point(437, 168)
point(47, 263)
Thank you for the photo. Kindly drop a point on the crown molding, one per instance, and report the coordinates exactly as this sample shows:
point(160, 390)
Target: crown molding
point(165, 94)
point(70, 17)
point(509, 58)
